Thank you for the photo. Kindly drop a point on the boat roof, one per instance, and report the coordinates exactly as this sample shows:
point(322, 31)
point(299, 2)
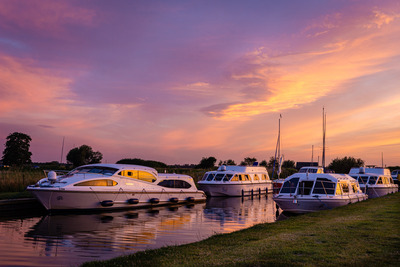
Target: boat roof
point(120, 166)
point(313, 176)
point(375, 171)
point(232, 168)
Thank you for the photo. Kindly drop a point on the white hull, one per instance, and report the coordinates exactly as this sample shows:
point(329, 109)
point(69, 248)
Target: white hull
point(374, 191)
point(89, 200)
point(232, 190)
point(311, 204)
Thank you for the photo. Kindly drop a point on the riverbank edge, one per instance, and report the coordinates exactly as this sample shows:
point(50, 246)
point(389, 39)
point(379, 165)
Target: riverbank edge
point(359, 234)
point(19, 204)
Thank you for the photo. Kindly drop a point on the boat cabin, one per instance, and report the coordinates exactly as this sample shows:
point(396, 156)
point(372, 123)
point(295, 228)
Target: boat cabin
point(319, 184)
point(237, 173)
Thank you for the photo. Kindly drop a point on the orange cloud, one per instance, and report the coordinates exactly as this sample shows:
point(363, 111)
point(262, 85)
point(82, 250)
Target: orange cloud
point(319, 69)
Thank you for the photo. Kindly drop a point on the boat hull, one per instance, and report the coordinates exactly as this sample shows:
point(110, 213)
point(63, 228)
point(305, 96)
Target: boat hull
point(379, 191)
point(228, 189)
point(53, 199)
point(312, 204)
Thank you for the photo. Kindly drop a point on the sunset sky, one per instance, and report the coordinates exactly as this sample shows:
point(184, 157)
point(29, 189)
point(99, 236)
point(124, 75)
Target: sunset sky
point(175, 81)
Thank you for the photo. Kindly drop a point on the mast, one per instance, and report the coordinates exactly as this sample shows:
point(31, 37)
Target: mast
point(62, 150)
point(323, 136)
point(277, 149)
point(312, 154)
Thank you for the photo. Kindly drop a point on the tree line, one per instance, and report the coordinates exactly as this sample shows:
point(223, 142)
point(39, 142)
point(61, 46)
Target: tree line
point(16, 153)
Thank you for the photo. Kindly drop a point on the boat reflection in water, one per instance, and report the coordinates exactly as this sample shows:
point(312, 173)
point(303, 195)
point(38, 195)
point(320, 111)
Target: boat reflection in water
point(71, 239)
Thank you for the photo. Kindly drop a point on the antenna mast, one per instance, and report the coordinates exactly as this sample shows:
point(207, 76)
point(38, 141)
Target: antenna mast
point(323, 136)
point(277, 149)
point(62, 150)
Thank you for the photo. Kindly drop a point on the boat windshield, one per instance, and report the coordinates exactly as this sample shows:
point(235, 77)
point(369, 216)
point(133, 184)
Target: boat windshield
point(219, 176)
point(210, 177)
point(290, 186)
point(227, 177)
point(324, 186)
point(372, 180)
point(95, 169)
point(362, 179)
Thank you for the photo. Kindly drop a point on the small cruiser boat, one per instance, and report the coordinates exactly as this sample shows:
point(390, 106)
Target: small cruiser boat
point(376, 182)
point(110, 186)
point(236, 181)
point(309, 192)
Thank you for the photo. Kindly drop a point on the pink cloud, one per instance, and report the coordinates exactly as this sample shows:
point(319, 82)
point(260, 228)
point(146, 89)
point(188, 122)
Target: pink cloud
point(44, 17)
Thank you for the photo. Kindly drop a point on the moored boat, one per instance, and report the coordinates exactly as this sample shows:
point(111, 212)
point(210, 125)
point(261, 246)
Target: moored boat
point(110, 186)
point(376, 182)
point(236, 181)
point(309, 192)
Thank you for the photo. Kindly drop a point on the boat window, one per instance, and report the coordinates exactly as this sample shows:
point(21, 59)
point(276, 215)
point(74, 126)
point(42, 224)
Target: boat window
point(100, 182)
point(305, 187)
point(140, 175)
point(247, 177)
point(264, 177)
point(227, 177)
point(289, 186)
point(256, 177)
point(95, 169)
point(324, 186)
point(354, 187)
point(345, 187)
point(372, 179)
point(219, 176)
point(174, 184)
point(235, 178)
point(339, 189)
point(210, 177)
point(204, 177)
point(391, 180)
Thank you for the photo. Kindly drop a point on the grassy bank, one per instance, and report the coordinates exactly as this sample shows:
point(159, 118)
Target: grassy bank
point(361, 234)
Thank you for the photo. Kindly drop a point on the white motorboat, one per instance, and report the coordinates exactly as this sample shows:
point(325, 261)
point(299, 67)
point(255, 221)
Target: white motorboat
point(376, 182)
point(309, 192)
point(236, 181)
point(110, 186)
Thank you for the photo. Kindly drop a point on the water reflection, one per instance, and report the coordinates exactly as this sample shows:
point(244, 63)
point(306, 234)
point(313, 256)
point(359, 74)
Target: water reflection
point(70, 239)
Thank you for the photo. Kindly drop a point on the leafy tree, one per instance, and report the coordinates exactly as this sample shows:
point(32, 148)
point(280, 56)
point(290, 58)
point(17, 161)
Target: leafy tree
point(207, 163)
point(17, 149)
point(264, 163)
point(83, 155)
point(343, 165)
point(148, 163)
point(248, 161)
point(288, 164)
point(227, 162)
point(271, 162)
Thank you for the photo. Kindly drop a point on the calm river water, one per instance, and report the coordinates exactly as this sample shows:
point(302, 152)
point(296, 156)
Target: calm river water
point(71, 239)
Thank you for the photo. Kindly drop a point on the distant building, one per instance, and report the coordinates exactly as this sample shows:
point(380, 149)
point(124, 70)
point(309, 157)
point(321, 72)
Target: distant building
point(306, 164)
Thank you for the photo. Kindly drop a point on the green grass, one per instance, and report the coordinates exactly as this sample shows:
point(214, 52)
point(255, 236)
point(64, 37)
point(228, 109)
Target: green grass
point(361, 234)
